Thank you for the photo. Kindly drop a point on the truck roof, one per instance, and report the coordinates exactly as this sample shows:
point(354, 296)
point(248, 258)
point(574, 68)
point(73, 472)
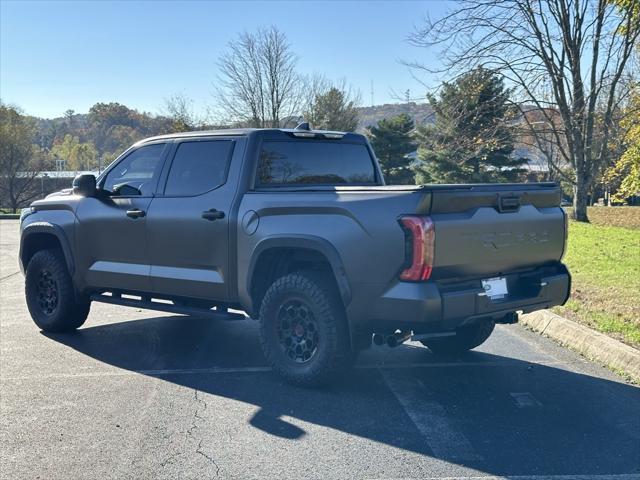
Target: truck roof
point(227, 132)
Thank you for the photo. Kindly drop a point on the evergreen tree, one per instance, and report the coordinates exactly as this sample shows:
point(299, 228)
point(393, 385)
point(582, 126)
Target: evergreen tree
point(392, 140)
point(333, 110)
point(471, 139)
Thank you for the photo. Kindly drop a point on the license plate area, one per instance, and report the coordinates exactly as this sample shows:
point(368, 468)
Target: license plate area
point(495, 288)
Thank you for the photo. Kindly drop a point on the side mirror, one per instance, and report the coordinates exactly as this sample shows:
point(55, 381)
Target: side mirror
point(84, 185)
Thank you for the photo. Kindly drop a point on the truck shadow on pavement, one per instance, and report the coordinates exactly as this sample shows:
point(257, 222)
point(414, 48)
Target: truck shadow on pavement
point(568, 422)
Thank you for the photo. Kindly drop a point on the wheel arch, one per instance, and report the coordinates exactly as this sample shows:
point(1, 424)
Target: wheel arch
point(274, 255)
point(43, 235)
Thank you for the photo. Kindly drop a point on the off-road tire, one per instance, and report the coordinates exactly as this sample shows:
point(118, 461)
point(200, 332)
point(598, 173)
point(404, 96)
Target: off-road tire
point(51, 297)
point(332, 355)
point(466, 338)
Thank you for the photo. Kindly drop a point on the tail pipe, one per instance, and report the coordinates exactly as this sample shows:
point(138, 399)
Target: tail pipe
point(398, 338)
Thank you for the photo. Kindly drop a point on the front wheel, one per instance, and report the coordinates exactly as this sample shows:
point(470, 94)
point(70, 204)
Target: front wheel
point(466, 338)
point(50, 294)
point(303, 330)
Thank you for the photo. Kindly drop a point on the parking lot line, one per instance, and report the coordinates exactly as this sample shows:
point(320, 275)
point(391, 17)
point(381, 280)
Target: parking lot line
point(226, 370)
point(444, 439)
point(8, 276)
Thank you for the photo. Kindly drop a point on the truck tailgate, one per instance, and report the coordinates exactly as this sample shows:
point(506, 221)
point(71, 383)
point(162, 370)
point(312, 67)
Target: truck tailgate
point(487, 230)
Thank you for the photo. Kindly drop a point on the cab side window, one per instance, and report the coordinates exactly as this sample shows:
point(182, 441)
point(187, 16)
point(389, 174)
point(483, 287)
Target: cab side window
point(139, 170)
point(198, 167)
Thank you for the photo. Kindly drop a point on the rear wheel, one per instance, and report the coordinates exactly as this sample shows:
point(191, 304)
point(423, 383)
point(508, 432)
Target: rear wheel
point(303, 329)
point(50, 294)
point(466, 338)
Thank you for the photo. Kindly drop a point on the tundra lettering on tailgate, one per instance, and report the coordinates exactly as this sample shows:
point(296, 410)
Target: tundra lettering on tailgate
point(497, 240)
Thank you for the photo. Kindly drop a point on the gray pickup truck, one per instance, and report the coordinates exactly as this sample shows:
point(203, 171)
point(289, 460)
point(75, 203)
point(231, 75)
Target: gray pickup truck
point(297, 229)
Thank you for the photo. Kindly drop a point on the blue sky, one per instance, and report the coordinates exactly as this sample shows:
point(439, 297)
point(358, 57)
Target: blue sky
point(60, 55)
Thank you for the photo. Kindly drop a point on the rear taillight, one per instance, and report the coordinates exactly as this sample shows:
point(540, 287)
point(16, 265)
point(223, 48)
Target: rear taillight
point(566, 232)
point(421, 240)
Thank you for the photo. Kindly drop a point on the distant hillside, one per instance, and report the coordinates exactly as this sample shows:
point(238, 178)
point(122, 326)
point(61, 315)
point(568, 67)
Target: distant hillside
point(112, 127)
point(420, 112)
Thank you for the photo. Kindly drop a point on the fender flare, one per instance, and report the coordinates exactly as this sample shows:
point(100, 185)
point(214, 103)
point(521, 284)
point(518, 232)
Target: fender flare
point(50, 229)
point(307, 242)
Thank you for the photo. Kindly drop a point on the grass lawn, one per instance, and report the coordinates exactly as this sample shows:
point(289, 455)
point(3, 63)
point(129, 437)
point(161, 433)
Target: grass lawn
point(604, 260)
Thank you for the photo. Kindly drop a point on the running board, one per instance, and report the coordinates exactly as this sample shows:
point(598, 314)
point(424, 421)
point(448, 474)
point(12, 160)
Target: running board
point(149, 304)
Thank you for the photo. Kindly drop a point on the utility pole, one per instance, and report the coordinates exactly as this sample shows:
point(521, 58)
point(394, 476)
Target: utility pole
point(372, 92)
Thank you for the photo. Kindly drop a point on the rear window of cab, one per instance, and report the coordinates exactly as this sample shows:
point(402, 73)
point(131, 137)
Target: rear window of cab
point(314, 163)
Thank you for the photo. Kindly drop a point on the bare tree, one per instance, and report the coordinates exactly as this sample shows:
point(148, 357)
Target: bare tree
point(577, 49)
point(313, 85)
point(258, 84)
point(19, 167)
point(179, 108)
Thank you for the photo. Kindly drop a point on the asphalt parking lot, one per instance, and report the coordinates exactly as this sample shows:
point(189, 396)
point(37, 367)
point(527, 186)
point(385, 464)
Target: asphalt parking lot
point(137, 394)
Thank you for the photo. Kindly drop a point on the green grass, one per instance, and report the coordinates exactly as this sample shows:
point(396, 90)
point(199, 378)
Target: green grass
point(605, 265)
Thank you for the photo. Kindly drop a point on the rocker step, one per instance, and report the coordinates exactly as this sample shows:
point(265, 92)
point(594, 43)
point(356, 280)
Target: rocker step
point(136, 301)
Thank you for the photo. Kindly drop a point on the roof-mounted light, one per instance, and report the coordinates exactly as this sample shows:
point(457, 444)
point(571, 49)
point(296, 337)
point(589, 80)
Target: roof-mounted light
point(304, 134)
point(333, 134)
point(303, 130)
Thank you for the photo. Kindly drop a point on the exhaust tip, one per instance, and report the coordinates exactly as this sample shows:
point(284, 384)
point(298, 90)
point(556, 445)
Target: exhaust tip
point(398, 338)
point(378, 339)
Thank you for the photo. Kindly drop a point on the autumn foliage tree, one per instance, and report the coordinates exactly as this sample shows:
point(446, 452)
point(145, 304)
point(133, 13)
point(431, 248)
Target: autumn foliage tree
point(19, 166)
point(626, 171)
point(77, 155)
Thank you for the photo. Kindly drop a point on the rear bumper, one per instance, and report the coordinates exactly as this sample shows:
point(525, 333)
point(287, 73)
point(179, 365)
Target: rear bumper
point(442, 306)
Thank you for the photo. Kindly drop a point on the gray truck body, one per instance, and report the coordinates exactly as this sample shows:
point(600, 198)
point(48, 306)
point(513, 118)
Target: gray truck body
point(163, 246)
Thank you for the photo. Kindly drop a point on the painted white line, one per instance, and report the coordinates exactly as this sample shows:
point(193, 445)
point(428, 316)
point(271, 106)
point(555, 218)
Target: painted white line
point(9, 276)
point(226, 370)
point(621, 476)
point(151, 373)
point(525, 400)
point(444, 439)
point(503, 363)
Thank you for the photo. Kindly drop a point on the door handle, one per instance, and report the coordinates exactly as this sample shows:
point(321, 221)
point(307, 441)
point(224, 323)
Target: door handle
point(212, 214)
point(135, 213)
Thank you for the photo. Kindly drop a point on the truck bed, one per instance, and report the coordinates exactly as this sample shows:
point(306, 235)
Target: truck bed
point(480, 228)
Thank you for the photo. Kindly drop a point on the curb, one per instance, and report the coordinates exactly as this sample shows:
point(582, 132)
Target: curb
point(593, 345)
